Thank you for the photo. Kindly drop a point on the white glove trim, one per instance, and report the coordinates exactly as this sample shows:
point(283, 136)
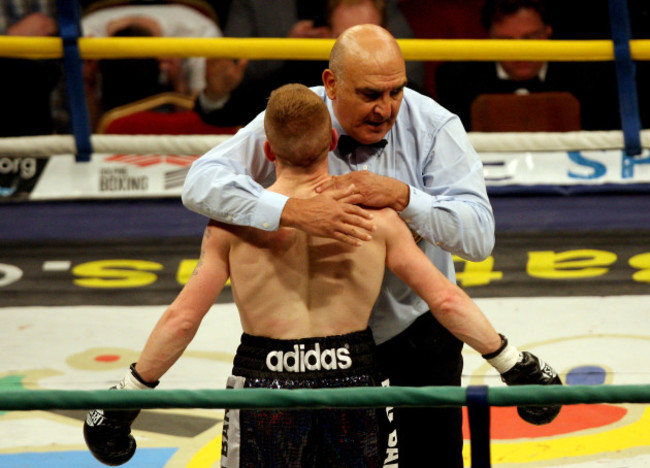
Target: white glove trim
point(129, 382)
point(506, 359)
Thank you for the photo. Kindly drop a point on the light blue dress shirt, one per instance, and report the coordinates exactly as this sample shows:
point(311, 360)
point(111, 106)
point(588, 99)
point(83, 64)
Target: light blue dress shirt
point(427, 148)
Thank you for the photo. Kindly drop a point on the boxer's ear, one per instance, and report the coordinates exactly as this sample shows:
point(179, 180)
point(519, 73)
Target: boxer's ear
point(335, 139)
point(268, 152)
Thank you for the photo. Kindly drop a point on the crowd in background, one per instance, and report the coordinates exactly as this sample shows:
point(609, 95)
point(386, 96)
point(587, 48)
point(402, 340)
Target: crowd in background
point(231, 92)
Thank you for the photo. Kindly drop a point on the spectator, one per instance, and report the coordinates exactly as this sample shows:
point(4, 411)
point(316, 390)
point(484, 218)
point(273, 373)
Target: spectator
point(27, 86)
point(443, 19)
point(217, 10)
point(341, 14)
point(458, 84)
point(111, 82)
point(237, 91)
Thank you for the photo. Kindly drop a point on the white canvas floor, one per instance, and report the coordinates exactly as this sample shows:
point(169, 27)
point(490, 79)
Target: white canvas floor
point(90, 347)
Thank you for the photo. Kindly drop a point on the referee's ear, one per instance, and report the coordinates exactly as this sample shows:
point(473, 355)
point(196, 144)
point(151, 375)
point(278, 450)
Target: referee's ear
point(329, 82)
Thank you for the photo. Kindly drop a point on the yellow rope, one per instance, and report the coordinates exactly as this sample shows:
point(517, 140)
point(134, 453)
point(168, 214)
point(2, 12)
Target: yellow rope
point(318, 49)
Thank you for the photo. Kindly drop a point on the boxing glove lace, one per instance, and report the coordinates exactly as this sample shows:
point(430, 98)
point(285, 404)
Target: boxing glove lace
point(108, 432)
point(524, 368)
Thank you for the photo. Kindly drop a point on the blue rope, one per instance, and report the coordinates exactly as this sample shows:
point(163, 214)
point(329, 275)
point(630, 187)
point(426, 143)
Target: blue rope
point(625, 75)
point(69, 28)
point(478, 410)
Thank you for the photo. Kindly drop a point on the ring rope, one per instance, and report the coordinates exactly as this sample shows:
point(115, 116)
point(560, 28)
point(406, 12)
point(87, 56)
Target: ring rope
point(44, 146)
point(319, 49)
point(356, 397)
point(49, 145)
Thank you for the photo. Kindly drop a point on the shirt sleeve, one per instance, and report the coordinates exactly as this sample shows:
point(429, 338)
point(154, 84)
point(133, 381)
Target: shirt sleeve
point(225, 184)
point(451, 209)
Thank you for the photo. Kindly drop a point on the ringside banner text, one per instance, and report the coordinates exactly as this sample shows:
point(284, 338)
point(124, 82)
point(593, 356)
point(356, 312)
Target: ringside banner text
point(111, 176)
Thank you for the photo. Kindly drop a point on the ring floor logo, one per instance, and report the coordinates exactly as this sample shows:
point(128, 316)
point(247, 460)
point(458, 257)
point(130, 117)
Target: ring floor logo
point(586, 350)
point(153, 271)
point(76, 314)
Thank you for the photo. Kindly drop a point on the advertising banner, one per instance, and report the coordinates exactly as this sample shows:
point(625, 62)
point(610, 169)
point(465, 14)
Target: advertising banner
point(114, 176)
point(18, 176)
point(568, 168)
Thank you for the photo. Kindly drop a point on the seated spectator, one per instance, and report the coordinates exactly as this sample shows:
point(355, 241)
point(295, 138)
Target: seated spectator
point(217, 10)
point(27, 86)
point(458, 84)
point(110, 82)
point(237, 90)
point(442, 19)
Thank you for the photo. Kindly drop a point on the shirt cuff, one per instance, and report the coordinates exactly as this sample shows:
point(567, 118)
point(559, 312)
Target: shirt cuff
point(419, 202)
point(269, 210)
point(208, 105)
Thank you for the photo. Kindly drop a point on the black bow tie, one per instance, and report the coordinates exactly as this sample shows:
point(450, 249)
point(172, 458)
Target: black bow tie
point(347, 144)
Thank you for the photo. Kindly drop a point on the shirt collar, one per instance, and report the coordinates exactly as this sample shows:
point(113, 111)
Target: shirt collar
point(339, 129)
point(502, 75)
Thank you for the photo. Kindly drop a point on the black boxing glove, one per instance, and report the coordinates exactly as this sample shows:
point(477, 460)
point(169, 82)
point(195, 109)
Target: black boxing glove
point(524, 368)
point(108, 432)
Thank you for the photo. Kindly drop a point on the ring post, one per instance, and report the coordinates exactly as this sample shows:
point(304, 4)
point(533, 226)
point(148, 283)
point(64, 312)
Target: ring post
point(69, 28)
point(478, 410)
point(625, 76)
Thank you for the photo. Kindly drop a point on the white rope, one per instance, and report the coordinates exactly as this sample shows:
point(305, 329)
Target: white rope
point(52, 145)
point(560, 141)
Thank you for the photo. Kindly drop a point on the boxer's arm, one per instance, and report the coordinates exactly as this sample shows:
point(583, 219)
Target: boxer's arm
point(181, 320)
point(451, 306)
point(459, 314)
point(108, 432)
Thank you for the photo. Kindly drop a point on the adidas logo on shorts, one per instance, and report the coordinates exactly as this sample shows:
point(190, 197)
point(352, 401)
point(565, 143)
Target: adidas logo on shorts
point(300, 360)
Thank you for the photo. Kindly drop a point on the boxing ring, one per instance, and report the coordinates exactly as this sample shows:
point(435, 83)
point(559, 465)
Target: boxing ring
point(596, 343)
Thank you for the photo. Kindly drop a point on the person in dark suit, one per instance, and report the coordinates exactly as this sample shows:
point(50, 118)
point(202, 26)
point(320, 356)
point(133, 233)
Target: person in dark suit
point(458, 84)
point(27, 86)
point(237, 90)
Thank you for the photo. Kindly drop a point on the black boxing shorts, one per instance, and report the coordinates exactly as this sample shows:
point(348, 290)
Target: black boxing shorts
point(296, 437)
